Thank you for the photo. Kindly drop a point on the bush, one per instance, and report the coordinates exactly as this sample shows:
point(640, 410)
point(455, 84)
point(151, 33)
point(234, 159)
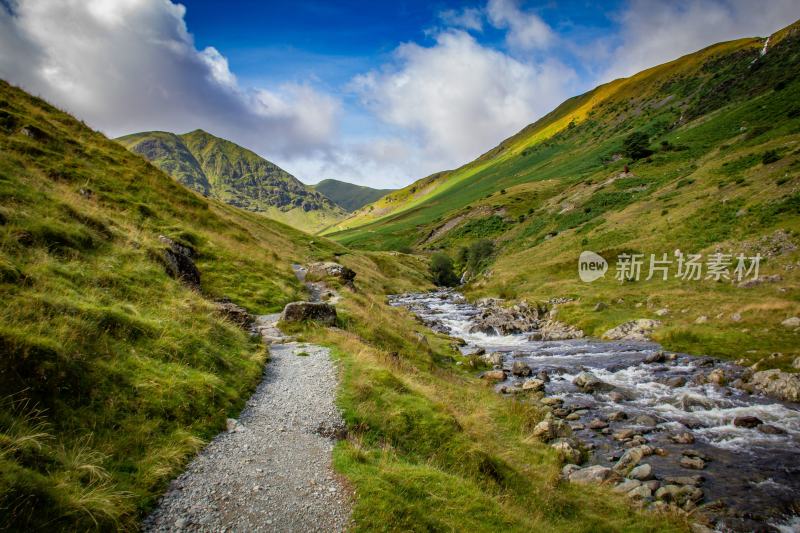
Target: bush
point(442, 270)
point(770, 156)
point(636, 145)
point(478, 253)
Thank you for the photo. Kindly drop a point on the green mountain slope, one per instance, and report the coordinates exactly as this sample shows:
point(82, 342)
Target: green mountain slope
point(349, 196)
point(113, 374)
point(718, 170)
point(220, 169)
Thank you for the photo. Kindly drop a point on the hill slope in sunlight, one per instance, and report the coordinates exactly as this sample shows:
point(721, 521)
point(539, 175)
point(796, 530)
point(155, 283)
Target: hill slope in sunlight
point(220, 169)
point(711, 145)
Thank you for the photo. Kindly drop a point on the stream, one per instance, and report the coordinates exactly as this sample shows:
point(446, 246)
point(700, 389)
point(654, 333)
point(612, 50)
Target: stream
point(750, 474)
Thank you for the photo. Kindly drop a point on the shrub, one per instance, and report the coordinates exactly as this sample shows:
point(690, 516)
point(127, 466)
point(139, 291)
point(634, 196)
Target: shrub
point(770, 156)
point(442, 270)
point(636, 145)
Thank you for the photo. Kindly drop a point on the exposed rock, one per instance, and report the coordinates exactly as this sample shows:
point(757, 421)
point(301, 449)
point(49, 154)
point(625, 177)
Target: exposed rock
point(634, 330)
point(676, 381)
point(551, 401)
point(796, 363)
point(178, 262)
point(657, 357)
point(750, 283)
point(328, 269)
point(782, 385)
point(684, 480)
point(598, 424)
point(694, 463)
point(549, 429)
point(553, 330)
point(314, 311)
point(518, 368)
point(494, 359)
point(736, 317)
point(645, 420)
point(588, 382)
point(235, 313)
point(569, 469)
point(593, 474)
point(616, 396)
point(747, 422)
point(793, 322)
point(702, 319)
point(543, 375)
point(600, 306)
point(534, 385)
point(494, 375)
point(568, 451)
point(642, 492)
point(632, 457)
point(642, 472)
point(625, 434)
point(682, 438)
point(616, 416)
point(627, 485)
point(716, 376)
point(497, 320)
point(768, 429)
point(662, 312)
point(231, 424)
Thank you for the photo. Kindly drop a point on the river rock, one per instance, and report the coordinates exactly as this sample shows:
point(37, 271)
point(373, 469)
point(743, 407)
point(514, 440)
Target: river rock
point(518, 368)
point(768, 429)
point(656, 357)
point(320, 312)
point(177, 260)
point(616, 396)
point(617, 416)
point(682, 438)
point(676, 381)
point(569, 469)
point(551, 401)
point(598, 424)
point(747, 422)
point(632, 457)
point(645, 420)
point(494, 359)
point(588, 382)
point(634, 330)
point(593, 474)
point(782, 385)
point(625, 434)
point(642, 492)
point(534, 385)
point(543, 375)
point(235, 313)
point(716, 376)
point(494, 375)
point(693, 463)
point(684, 480)
point(642, 472)
point(627, 485)
point(497, 320)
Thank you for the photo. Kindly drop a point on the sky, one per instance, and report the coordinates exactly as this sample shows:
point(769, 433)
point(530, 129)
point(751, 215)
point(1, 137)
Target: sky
point(375, 93)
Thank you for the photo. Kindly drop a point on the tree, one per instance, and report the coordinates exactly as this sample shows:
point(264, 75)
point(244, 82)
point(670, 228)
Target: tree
point(637, 145)
point(442, 270)
point(478, 252)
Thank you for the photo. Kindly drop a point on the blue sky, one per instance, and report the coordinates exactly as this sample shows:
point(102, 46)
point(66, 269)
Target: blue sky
point(376, 93)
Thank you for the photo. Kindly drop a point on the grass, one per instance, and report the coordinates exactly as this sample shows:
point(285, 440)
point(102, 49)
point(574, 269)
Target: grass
point(431, 447)
point(123, 371)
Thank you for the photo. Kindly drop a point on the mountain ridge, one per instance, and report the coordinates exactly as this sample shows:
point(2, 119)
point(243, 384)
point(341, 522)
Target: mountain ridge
point(221, 169)
point(349, 196)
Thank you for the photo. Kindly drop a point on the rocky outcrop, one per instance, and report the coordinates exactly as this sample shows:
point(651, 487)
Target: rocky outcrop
point(495, 319)
point(178, 262)
point(320, 312)
point(634, 330)
point(328, 269)
point(235, 313)
point(781, 385)
point(553, 330)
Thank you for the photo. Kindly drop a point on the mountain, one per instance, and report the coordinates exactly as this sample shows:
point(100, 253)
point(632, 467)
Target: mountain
point(349, 196)
point(699, 154)
point(220, 169)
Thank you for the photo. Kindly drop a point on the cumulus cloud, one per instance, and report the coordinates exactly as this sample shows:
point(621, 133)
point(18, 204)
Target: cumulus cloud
point(131, 65)
point(469, 18)
point(653, 32)
point(526, 30)
point(460, 97)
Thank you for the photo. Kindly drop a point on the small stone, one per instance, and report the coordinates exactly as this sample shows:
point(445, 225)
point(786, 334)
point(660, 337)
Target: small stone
point(642, 472)
point(662, 312)
point(535, 385)
point(684, 480)
point(616, 416)
point(736, 317)
point(693, 463)
point(627, 485)
point(643, 492)
point(551, 401)
point(702, 319)
point(792, 322)
point(573, 416)
point(600, 306)
point(768, 429)
point(676, 381)
point(568, 469)
point(231, 424)
point(519, 368)
point(624, 434)
point(616, 396)
point(593, 474)
point(716, 376)
point(682, 438)
point(645, 420)
point(657, 357)
point(598, 424)
point(494, 375)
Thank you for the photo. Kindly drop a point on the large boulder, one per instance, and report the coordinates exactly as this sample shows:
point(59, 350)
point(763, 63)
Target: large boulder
point(177, 259)
point(588, 382)
point(594, 474)
point(634, 330)
point(495, 319)
point(235, 313)
point(781, 385)
point(314, 311)
point(553, 330)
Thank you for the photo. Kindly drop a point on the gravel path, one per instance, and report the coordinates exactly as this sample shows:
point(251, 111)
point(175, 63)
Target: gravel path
point(273, 471)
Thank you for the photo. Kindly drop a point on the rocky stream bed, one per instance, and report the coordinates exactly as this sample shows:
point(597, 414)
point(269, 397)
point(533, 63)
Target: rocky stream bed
point(667, 429)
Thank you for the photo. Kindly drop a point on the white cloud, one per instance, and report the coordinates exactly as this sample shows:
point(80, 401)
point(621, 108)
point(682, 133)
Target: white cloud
point(526, 30)
point(131, 65)
point(459, 97)
point(469, 18)
point(653, 32)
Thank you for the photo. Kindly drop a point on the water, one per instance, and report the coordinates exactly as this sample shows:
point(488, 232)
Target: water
point(752, 479)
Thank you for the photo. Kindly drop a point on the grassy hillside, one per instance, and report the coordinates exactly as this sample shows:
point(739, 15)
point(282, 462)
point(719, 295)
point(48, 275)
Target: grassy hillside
point(722, 128)
point(114, 374)
point(349, 196)
point(220, 169)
